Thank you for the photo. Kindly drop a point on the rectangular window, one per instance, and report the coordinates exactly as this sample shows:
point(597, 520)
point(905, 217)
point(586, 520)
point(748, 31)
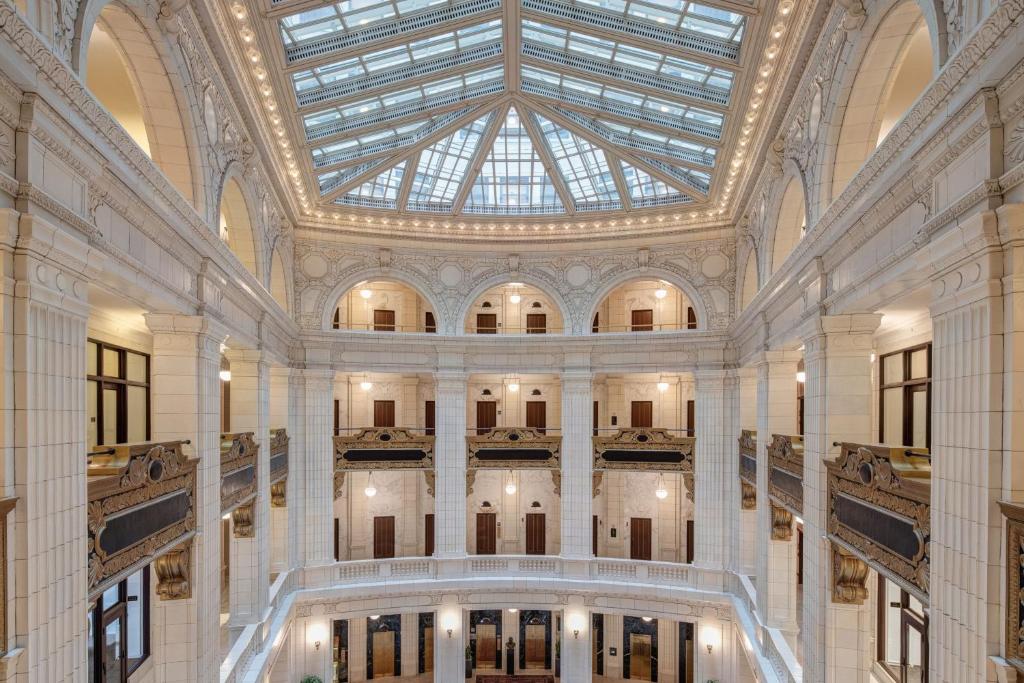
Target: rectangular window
point(902, 634)
point(904, 397)
point(119, 629)
point(117, 394)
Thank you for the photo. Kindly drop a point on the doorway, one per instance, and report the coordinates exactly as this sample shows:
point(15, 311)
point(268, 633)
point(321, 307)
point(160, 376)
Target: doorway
point(640, 656)
point(486, 533)
point(537, 415)
point(487, 323)
point(641, 414)
point(642, 320)
point(640, 538)
point(383, 537)
point(383, 413)
point(487, 649)
point(383, 654)
point(486, 416)
point(535, 541)
point(536, 323)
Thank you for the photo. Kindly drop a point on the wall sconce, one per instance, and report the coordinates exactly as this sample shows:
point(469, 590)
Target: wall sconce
point(710, 648)
point(316, 646)
point(576, 633)
point(317, 634)
point(449, 633)
point(663, 387)
point(660, 293)
point(710, 637)
point(801, 376)
point(365, 293)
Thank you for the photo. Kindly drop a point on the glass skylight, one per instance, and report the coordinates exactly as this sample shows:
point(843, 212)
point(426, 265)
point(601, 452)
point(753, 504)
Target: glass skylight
point(443, 166)
point(645, 190)
point(582, 165)
point(676, 14)
point(513, 179)
point(345, 16)
point(381, 192)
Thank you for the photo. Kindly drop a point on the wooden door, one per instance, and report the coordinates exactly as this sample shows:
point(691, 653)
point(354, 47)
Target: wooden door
point(383, 537)
point(486, 416)
point(691, 318)
point(428, 532)
point(535, 646)
point(593, 536)
point(486, 323)
point(383, 654)
point(641, 414)
point(383, 413)
point(642, 320)
point(428, 418)
point(535, 541)
point(486, 533)
point(537, 415)
point(487, 647)
point(690, 541)
point(383, 320)
point(428, 649)
point(337, 417)
point(429, 325)
point(640, 538)
point(691, 416)
point(595, 418)
point(536, 323)
point(639, 657)
point(337, 539)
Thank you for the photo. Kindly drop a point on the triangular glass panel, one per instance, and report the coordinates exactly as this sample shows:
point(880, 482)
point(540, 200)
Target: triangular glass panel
point(443, 166)
point(379, 193)
point(646, 190)
point(583, 166)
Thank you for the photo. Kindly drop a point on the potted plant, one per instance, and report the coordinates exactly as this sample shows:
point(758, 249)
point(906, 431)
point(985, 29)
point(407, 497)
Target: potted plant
point(469, 662)
point(312, 679)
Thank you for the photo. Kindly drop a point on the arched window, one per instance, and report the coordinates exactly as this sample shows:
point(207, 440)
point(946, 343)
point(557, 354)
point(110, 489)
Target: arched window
point(278, 283)
point(645, 305)
point(750, 284)
point(791, 223)
point(236, 227)
point(514, 308)
point(384, 306)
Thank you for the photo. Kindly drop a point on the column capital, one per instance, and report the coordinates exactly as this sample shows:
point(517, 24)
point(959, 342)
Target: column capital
point(454, 381)
point(576, 380)
point(776, 357)
point(178, 334)
point(856, 327)
point(317, 378)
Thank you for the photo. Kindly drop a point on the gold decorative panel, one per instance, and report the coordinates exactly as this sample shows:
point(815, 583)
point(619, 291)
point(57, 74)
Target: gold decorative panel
point(238, 463)
point(786, 472)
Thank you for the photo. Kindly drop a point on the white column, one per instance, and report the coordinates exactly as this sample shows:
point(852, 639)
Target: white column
point(185, 385)
point(280, 400)
point(410, 644)
point(449, 648)
point(297, 459)
point(577, 655)
point(250, 556)
point(716, 467)
point(746, 557)
point(837, 394)
point(450, 466)
point(48, 409)
point(776, 559)
point(577, 466)
point(317, 462)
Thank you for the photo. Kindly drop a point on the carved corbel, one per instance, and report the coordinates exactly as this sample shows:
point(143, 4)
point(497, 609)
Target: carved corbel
point(849, 576)
point(339, 483)
point(174, 573)
point(556, 480)
point(470, 478)
point(855, 14)
point(595, 483)
point(782, 523)
point(430, 477)
point(278, 497)
point(688, 483)
point(748, 499)
point(242, 522)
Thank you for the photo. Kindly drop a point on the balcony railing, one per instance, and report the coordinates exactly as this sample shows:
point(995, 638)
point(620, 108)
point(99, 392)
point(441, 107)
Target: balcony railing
point(142, 505)
point(645, 449)
point(278, 466)
point(514, 448)
point(748, 469)
point(383, 448)
point(238, 466)
point(879, 506)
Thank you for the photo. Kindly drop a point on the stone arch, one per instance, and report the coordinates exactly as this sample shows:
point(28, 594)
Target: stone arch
point(747, 284)
point(279, 285)
point(786, 231)
point(897, 57)
point(330, 300)
point(506, 278)
point(700, 303)
point(126, 62)
point(236, 224)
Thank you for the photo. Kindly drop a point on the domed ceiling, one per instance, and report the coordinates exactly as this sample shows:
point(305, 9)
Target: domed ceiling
point(512, 109)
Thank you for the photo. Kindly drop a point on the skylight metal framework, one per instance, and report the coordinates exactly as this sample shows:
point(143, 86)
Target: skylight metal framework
point(525, 108)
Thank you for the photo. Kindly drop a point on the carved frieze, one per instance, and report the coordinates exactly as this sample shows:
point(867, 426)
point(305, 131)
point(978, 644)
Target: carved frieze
point(238, 465)
point(748, 469)
point(786, 472)
point(512, 448)
point(646, 449)
point(384, 448)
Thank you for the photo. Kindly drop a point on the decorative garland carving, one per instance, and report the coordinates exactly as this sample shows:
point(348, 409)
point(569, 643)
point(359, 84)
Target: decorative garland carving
point(238, 452)
point(595, 485)
point(849, 576)
point(519, 438)
point(782, 523)
point(895, 482)
point(786, 455)
point(126, 480)
point(174, 573)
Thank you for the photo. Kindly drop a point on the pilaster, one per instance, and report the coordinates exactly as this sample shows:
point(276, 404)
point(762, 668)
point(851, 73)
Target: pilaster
point(577, 465)
point(577, 651)
point(450, 465)
point(717, 469)
point(318, 466)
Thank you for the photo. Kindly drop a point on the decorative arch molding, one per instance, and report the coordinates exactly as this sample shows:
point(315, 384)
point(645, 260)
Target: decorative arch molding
point(700, 306)
point(548, 289)
point(791, 173)
point(746, 256)
point(856, 47)
point(190, 175)
point(329, 300)
point(256, 220)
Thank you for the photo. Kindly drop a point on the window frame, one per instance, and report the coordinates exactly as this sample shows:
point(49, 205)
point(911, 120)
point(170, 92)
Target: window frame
point(104, 381)
point(908, 619)
point(100, 615)
point(909, 386)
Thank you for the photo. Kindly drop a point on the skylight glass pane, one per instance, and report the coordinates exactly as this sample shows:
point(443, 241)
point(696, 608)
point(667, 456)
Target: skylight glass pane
point(380, 192)
point(645, 190)
point(582, 165)
point(512, 179)
point(346, 16)
point(676, 14)
point(443, 166)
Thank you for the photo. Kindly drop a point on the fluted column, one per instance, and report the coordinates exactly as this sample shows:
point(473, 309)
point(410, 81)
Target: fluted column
point(716, 469)
point(450, 465)
point(838, 398)
point(250, 556)
point(577, 465)
point(185, 386)
point(746, 558)
point(577, 651)
point(776, 559)
point(296, 543)
point(317, 462)
point(45, 339)
point(449, 648)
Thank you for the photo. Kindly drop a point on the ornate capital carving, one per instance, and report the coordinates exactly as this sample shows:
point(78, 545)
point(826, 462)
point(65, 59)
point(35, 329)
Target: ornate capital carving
point(782, 524)
point(174, 573)
point(242, 522)
point(849, 575)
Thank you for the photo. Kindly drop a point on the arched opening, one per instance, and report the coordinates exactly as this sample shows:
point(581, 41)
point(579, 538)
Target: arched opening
point(126, 73)
point(750, 284)
point(645, 305)
point(791, 224)
point(898, 65)
point(514, 308)
point(384, 306)
point(235, 227)
point(278, 283)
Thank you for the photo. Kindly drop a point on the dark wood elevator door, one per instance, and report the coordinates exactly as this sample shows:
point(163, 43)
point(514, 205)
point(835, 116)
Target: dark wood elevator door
point(383, 537)
point(428, 532)
point(536, 323)
point(486, 533)
point(383, 413)
point(640, 538)
point(643, 320)
point(535, 522)
point(537, 415)
point(487, 323)
point(428, 418)
point(486, 416)
point(383, 320)
point(641, 414)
